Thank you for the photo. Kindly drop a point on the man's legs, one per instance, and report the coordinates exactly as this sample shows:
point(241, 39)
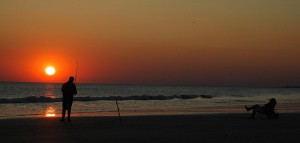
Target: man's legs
point(66, 106)
point(69, 114)
point(254, 108)
point(63, 114)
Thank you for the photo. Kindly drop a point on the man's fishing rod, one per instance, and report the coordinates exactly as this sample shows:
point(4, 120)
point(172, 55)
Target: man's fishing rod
point(76, 71)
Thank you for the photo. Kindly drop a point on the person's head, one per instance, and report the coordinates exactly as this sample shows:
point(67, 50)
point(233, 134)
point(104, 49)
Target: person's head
point(273, 101)
point(71, 79)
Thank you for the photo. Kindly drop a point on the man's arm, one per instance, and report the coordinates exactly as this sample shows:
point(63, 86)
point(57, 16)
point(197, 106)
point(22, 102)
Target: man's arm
point(63, 88)
point(74, 89)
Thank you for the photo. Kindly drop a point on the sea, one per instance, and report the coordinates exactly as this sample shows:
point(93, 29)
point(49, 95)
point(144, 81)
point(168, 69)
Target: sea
point(43, 99)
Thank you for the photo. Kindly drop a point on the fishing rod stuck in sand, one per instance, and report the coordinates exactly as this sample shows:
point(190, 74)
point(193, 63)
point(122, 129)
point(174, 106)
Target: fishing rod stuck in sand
point(118, 109)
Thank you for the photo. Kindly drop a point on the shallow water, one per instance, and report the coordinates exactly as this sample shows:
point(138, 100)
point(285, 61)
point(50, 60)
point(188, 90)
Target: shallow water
point(29, 99)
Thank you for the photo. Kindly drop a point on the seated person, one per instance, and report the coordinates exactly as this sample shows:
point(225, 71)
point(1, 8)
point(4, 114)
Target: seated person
point(267, 109)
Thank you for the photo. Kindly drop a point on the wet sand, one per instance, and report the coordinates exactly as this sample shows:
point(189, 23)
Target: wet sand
point(204, 128)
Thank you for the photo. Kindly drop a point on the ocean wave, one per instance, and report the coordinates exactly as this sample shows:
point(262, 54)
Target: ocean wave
point(44, 99)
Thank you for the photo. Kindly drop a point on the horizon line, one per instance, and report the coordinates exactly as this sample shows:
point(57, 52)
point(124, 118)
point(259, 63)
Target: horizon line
point(145, 84)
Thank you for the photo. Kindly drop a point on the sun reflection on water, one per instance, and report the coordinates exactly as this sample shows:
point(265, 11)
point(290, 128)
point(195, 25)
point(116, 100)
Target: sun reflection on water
point(50, 112)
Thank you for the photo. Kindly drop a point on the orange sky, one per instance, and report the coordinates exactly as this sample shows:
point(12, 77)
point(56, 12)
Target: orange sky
point(210, 43)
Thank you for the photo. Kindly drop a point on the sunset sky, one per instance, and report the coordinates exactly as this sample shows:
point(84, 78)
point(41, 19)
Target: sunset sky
point(194, 42)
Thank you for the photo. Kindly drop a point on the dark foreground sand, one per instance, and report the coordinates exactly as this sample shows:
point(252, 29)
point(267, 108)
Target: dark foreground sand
point(213, 128)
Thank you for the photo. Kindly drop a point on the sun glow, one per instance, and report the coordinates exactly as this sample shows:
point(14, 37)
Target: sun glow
point(50, 112)
point(50, 70)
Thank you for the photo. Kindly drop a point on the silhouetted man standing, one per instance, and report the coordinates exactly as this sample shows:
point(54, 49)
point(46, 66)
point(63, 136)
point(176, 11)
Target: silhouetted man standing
point(69, 90)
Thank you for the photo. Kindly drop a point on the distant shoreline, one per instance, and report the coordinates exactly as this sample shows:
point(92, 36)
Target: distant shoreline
point(291, 87)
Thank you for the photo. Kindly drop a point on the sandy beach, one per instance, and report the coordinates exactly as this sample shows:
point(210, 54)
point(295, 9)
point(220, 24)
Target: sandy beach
point(204, 128)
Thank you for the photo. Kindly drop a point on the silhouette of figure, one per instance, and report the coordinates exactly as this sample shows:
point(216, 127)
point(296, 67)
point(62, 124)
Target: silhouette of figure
point(69, 90)
point(267, 109)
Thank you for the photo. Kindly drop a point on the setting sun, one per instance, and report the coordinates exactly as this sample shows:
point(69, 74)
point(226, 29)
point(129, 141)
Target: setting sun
point(50, 70)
